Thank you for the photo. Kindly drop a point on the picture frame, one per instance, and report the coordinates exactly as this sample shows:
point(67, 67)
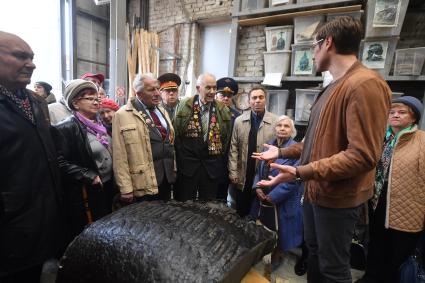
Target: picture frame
point(375, 54)
point(386, 13)
point(278, 40)
point(302, 62)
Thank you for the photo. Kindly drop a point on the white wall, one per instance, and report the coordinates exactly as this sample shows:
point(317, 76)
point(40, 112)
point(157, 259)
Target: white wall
point(38, 23)
point(215, 49)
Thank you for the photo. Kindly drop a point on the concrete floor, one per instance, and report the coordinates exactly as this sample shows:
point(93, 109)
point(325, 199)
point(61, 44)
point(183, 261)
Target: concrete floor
point(285, 273)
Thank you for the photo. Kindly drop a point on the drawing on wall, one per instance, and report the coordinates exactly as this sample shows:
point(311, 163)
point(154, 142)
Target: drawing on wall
point(278, 40)
point(307, 33)
point(386, 13)
point(303, 62)
point(374, 54)
point(304, 104)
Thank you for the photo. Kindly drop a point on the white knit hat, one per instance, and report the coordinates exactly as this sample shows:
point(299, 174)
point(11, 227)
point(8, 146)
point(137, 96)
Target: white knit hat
point(74, 87)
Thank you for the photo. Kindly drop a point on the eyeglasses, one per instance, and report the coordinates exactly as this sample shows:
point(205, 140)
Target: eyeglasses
point(92, 99)
point(315, 43)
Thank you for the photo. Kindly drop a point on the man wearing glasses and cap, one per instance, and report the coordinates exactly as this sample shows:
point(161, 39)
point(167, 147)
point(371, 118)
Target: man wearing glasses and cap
point(169, 88)
point(226, 89)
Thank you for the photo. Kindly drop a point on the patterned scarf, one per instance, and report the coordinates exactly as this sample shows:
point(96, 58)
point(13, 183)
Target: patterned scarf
point(96, 128)
point(383, 166)
point(194, 128)
point(21, 100)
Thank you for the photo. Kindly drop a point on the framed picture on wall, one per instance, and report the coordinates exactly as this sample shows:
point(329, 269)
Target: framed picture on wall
point(303, 62)
point(386, 13)
point(375, 54)
point(279, 40)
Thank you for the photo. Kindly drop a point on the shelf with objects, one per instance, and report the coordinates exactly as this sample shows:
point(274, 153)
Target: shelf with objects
point(282, 35)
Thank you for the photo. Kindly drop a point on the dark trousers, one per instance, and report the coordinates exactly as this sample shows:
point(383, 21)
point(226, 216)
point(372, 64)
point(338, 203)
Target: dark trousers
point(244, 201)
point(199, 184)
point(28, 275)
point(387, 249)
point(164, 193)
point(222, 189)
point(328, 233)
point(164, 190)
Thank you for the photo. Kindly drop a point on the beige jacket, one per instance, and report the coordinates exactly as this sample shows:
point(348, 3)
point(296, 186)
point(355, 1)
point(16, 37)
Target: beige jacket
point(405, 209)
point(132, 154)
point(239, 143)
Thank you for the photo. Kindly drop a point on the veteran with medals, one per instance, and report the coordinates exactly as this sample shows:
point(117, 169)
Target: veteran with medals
point(203, 131)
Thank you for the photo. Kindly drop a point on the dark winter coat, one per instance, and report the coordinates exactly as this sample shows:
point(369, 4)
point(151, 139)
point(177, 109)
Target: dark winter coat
point(78, 169)
point(29, 187)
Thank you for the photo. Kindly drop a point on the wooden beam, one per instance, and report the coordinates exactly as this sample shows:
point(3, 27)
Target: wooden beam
point(294, 7)
point(287, 18)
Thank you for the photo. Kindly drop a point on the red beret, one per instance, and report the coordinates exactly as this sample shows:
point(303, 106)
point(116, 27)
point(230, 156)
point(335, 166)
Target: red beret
point(109, 103)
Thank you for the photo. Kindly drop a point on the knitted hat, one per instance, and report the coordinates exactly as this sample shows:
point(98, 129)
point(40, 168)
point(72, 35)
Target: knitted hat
point(109, 103)
point(413, 103)
point(74, 87)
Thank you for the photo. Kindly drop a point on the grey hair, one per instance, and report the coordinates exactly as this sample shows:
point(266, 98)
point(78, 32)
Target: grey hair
point(293, 129)
point(138, 83)
point(202, 77)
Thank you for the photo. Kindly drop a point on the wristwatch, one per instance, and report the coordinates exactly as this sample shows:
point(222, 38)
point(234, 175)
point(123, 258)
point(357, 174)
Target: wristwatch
point(297, 176)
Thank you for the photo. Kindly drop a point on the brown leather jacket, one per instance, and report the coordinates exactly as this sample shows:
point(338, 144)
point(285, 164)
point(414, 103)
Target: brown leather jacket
point(347, 141)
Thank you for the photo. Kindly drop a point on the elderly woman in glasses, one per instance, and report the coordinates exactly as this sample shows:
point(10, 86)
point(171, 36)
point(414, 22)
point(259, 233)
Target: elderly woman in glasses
point(84, 150)
point(397, 209)
point(283, 199)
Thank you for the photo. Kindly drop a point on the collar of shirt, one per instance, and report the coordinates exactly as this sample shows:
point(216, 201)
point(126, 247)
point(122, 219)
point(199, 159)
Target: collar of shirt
point(203, 106)
point(157, 112)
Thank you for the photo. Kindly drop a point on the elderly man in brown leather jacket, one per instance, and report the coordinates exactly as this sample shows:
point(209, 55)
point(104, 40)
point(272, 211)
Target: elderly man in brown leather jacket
point(342, 146)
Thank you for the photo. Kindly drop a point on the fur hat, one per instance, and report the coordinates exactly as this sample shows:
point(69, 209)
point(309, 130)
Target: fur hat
point(74, 87)
point(414, 103)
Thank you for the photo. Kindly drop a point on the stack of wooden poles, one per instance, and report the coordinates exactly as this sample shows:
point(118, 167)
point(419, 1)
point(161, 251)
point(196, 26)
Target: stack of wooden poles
point(142, 53)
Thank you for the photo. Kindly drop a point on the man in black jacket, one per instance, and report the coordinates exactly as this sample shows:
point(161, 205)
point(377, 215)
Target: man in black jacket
point(29, 176)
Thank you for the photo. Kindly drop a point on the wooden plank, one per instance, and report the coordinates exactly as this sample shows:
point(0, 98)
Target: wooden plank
point(157, 54)
point(132, 46)
point(286, 18)
point(254, 277)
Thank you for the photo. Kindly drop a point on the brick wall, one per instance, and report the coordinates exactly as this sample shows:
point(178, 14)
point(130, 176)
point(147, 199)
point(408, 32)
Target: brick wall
point(178, 24)
point(252, 44)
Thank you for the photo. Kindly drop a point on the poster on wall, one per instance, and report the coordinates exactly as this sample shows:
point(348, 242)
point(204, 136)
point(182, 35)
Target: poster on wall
point(303, 62)
point(386, 13)
point(374, 54)
point(278, 40)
